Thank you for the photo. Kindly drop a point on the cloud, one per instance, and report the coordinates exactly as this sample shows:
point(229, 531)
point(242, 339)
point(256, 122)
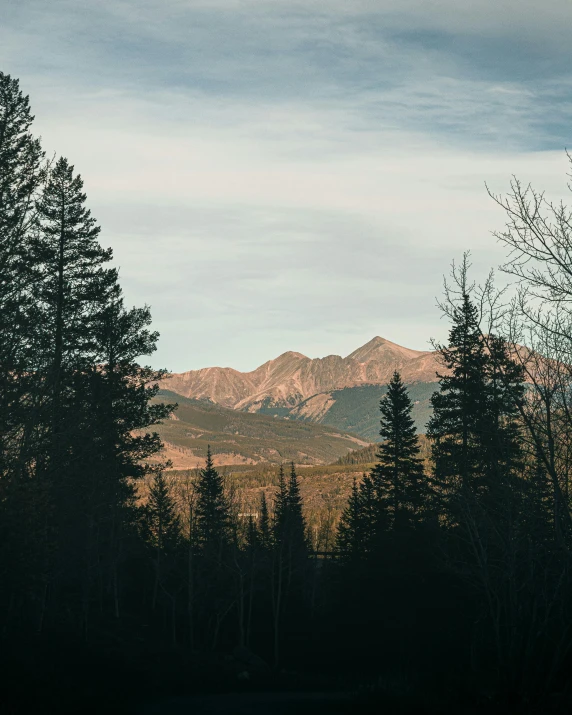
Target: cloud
point(295, 175)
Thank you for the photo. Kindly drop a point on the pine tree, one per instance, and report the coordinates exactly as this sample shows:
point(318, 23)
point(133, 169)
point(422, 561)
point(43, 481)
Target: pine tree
point(538, 504)
point(501, 430)
point(162, 525)
point(162, 533)
point(474, 428)
point(401, 486)
point(76, 281)
point(281, 512)
point(74, 287)
point(252, 536)
point(97, 397)
point(22, 171)
point(213, 511)
point(22, 503)
point(264, 526)
point(373, 517)
point(349, 543)
point(297, 524)
point(459, 407)
point(290, 550)
point(112, 403)
point(289, 524)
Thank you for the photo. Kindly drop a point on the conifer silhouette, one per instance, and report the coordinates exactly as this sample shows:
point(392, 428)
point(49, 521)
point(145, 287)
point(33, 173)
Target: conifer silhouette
point(349, 543)
point(212, 510)
point(401, 486)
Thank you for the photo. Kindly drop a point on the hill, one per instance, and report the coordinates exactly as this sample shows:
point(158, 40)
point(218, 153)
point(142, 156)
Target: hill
point(244, 438)
point(335, 391)
point(356, 409)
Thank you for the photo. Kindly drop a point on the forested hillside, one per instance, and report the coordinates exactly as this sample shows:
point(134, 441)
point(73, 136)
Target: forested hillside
point(356, 409)
point(245, 438)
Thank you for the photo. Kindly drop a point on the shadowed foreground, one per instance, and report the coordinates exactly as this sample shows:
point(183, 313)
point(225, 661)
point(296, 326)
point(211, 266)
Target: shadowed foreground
point(254, 704)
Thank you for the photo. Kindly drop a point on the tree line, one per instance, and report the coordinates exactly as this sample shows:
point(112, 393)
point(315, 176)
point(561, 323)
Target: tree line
point(457, 574)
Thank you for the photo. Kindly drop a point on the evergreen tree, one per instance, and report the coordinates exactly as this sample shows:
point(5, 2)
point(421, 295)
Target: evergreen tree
point(373, 518)
point(113, 397)
point(213, 511)
point(290, 551)
point(538, 504)
point(265, 525)
point(252, 535)
point(501, 430)
point(74, 403)
point(74, 286)
point(459, 407)
point(474, 427)
point(289, 523)
point(281, 512)
point(296, 522)
point(22, 171)
point(76, 281)
point(96, 396)
point(161, 522)
point(162, 534)
point(363, 522)
point(401, 486)
point(349, 543)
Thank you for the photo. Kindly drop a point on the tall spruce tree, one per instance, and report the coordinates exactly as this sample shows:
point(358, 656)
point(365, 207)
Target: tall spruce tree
point(349, 542)
point(161, 531)
point(474, 427)
point(264, 524)
point(74, 286)
point(281, 513)
point(363, 523)
point(400, 483)
point(113, 397)
point(76, 281)
point(297, 524)
point(374, 521)
point(22, 171)
point(289, 524)
point(460, 405)
point(501, 431)
point(94, 392)
point(74, 403)
point(290, 551)
point(212, 511)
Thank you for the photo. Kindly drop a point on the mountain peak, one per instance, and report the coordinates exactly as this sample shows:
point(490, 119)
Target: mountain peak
point(292, 377)
point(380, 347)
point(292, 354)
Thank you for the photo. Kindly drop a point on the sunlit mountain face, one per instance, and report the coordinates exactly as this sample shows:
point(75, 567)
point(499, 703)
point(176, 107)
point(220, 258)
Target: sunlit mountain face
point(342, 392)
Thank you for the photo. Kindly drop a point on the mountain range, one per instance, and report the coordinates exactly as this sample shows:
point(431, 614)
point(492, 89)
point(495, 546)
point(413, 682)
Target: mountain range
point(342, 392)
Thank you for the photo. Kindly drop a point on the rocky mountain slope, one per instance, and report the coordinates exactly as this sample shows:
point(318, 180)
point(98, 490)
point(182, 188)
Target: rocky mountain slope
point(340, 391)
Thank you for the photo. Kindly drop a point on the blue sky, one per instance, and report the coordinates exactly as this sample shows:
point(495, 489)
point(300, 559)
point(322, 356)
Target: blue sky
point(295, 175)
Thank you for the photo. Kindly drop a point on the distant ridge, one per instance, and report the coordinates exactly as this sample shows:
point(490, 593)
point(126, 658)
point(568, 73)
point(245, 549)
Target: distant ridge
point(292, 378)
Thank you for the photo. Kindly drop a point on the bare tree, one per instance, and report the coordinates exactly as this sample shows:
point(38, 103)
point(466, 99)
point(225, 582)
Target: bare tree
point(538, 236)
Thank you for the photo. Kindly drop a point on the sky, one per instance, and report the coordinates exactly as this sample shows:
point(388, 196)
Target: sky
point(278, 175)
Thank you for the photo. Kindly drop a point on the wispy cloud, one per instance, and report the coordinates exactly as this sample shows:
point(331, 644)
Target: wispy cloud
point(295, 175)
